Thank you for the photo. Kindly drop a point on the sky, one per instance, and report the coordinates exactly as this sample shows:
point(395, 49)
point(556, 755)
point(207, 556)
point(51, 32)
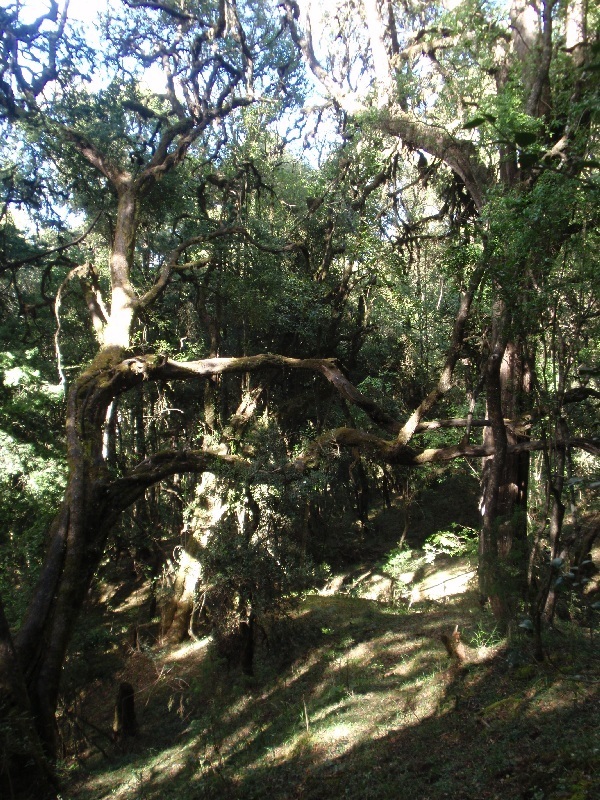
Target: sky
point(80, 10)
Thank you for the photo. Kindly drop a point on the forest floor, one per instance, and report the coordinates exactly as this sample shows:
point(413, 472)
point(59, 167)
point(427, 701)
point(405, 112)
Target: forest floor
point(352, 698)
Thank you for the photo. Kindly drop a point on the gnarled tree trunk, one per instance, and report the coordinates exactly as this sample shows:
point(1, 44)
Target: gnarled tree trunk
point(77, 541)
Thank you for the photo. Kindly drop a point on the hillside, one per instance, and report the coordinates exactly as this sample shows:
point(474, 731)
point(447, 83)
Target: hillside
point(353, 698)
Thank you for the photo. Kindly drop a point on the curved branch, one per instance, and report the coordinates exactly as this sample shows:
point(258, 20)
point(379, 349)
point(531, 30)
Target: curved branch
point(388, 451)
point(124, 491)
point(157, 6)
point(171, 266)
point(157, 367)
point(118, 178)
point(458, 154)
point(58, 249)
point(396, 451)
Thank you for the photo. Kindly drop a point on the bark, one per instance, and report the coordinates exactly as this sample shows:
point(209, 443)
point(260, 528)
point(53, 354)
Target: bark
point(178, 607)
point(452, 356)
point(90, 509)
point(384, 76)
point(490, 579)
point(557, 513)
point(123, 296)
point(24, 768)
point(458, 154)
point(94, 501)
point(77, 542)
point(246, 630)
point(503, 572)
point(125, 723)
point(576, 31)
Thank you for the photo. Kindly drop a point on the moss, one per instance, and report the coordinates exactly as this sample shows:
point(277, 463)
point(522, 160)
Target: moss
point(525, 672)
point(580, 790)
point(507, 708)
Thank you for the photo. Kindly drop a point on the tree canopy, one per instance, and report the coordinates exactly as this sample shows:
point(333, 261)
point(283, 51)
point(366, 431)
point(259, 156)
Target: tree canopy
point(264, 258)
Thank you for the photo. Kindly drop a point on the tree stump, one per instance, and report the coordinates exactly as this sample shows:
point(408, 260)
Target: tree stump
point(454, 647)
point(125, 723)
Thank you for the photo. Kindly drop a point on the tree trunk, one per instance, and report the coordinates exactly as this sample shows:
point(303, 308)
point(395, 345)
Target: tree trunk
point(25, 771)
point(489, 569)
point(503, 542)
point(246, 631)
point(512, 495)
point(125, 723)
point(178, 607)
point(556, 484)
point(77, 540)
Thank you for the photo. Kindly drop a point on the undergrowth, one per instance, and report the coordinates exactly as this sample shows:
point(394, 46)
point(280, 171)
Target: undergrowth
point(352, 699)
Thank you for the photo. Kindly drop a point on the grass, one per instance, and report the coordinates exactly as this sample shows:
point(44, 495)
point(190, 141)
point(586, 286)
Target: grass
point(356, 700)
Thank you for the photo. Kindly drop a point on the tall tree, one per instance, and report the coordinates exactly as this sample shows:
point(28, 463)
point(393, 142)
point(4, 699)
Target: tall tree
point(504, 101)
point(128, 155)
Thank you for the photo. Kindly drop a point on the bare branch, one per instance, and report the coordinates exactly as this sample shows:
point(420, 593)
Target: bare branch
point(325, 366)
point(459, 155)
point(171, 263)
point(580, 393)
point(305, 44)
point(445, 381)
point(157, 6)
point(388, 452)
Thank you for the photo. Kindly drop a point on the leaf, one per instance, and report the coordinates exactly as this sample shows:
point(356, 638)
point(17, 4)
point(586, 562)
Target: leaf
point(524, 138)
point(475, 123)
point(557, 563)
point(596, 605)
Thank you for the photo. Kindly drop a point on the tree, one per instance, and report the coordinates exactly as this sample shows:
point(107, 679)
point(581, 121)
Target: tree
point(212, 71)
point(130, 158)
point(509, 113)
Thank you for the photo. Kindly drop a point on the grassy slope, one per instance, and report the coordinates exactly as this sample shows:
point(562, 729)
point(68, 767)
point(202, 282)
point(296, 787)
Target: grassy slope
point(355, 700)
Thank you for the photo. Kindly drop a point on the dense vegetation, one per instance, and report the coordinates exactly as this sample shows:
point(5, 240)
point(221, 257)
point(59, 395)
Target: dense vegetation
point(283, 271)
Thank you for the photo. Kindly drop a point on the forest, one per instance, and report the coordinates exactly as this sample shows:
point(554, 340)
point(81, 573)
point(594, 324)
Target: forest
point(291, 294)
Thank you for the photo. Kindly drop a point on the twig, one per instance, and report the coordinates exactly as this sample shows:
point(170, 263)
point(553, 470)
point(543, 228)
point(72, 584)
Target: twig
point(305, 714)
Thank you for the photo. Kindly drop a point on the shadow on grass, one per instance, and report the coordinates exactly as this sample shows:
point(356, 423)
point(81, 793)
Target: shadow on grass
point(360, 703)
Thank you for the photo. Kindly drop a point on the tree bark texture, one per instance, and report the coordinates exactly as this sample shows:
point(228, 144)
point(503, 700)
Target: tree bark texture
point(505, 480)
point(25, 771)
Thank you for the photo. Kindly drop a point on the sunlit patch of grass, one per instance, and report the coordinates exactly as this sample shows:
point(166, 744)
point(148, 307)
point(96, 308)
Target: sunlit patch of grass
point(366, 698)
point(187, 649)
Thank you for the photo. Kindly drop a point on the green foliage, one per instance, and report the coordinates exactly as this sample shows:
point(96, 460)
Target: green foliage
point(458, 540)
point(32, 473)
point(268, 569)
point(361, 258)
point(399, 562)
point(484, 635)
